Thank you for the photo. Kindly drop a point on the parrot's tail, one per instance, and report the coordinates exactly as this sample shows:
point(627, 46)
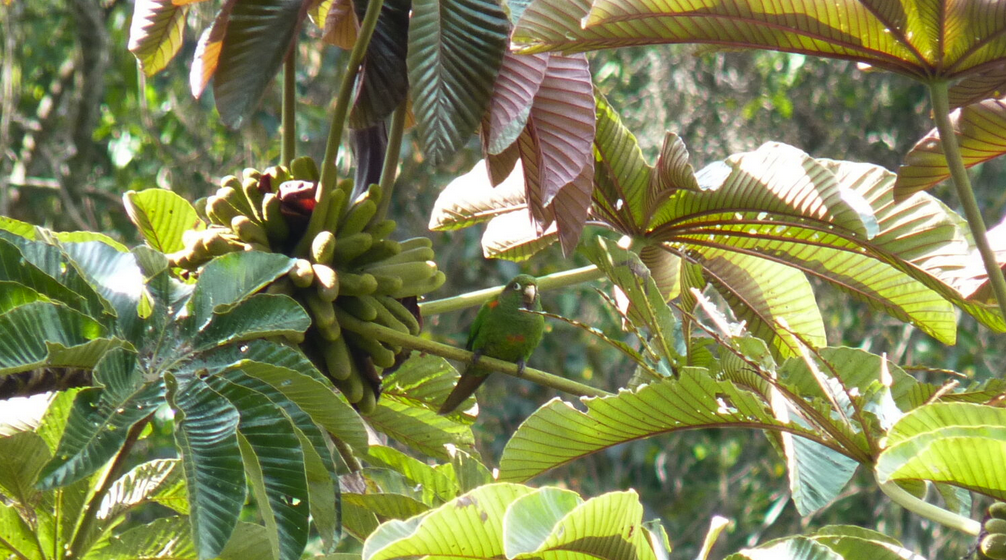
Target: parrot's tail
point(466, 386)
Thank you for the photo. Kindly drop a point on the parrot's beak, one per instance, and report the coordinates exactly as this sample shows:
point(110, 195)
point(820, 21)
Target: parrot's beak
point(530, 294)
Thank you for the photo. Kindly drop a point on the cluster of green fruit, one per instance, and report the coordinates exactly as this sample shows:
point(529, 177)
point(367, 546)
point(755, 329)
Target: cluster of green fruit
point(992, 541)
point(353, 274)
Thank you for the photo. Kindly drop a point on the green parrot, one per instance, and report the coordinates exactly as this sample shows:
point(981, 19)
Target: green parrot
point(501, 330)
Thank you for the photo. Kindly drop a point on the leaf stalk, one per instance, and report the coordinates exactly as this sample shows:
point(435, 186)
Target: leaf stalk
point(288, 149)
point(935, 513)
point(391, 154)
point(939, 94)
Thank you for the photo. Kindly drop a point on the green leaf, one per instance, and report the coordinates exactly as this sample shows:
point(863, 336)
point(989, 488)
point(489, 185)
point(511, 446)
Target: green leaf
point(530, 520)
point(14, 268)
point(159, 481)
point(258, 316)
point(792, 548)
point(957, 443)
point(622, 194)
point(13, 295)
point(817, 474)
point(232, 278)
point(17, 539)
point(259, 34)
point(436, 533)
point(436, 487)
point(206, 436)
point(771, 298)
point(54, 262)
point(558, 433)
point(469, 471)
point(156, 34)
point(46, 334)
point(274, 460)
point(101, 418)
point(22, 457)
point(418, 427)
point(514, 237)
point(166, 537)
point(161, 216)
point(66, 237)
point(455, 51)
point(118, 278)
point(317, 399)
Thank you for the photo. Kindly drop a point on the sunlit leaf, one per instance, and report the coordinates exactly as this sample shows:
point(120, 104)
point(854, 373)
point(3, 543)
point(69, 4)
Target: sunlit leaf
point(470, 199)
point(512, 236)
point(17, 538)
point(159, 481)
point(558, 433)
point(156, 33)
point(455, 50)
point(956, 443)
point(161, 216)
point(22, 457)
point(207, 55)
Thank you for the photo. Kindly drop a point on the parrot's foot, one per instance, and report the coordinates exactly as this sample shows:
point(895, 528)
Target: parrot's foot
point(477, 355)
point(520, 366)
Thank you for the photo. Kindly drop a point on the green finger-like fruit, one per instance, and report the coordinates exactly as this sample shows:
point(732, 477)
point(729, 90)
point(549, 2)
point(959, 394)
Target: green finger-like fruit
point(272, 218)
point(381, 229)
point(358, 307)
point(387, 284)
point(998, 510)
point(357, 217)
point(400, 312)
point(337, 358)
point(281, 286)
point(220, 211)
point(414, 242)
point(409, 272)
point(230, 181)
point(254, 197)
point(250, 172)
point(416, 254)
point(380, 250)
point(351, 284)
point(996, 526)
point(383, 357)
point(305, 169)
point(351, 387)
point(993, 546)
point(349, 247)
point(323, 247)
point(422, 287)
point(248, 231)
point(236, 198)
point(280, 174)
point(215, 243)
point(384, 316)
point(301, 273)
point(368, 403)
point(327, 282)
point(336, 204)
point(324, 317)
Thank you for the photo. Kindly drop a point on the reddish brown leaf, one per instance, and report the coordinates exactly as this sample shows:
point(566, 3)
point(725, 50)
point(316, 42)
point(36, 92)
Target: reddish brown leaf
point(570, 208)
point(516, 85)
point(989, 84)
point(530, 158)
point(340, 25)
point(563, 118)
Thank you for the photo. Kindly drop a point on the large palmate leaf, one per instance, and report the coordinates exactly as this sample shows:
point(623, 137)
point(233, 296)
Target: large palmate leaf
point(22, 457)
point(957, 443)
point(258, 35)
point(383, 82)
point(834, 542)
point(911, 37)
point(156, 33)
point(516, 85)
point(47, 334)
point(471, 198)
point(206, 435)
point(231, 278)
point(506, 520)
point(978, 128)
point(558, 433)
point(161, 216)
point(455, 50)
point(258, 316)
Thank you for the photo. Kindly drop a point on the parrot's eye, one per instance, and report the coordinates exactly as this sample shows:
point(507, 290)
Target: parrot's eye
point(516, 286)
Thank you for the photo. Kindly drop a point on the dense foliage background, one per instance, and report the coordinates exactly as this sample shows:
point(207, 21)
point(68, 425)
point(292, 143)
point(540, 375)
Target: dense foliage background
point(80, 126)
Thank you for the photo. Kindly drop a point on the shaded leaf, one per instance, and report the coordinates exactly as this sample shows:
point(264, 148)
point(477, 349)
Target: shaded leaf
point(259, 34)
point(159, 481)
point(516, 85)
point(338, 22)
point(455, 50)
point(22, 457)
point(383, 83)
point(258, 316)
point(46, 334)
point(623, 191)
point(232, 278)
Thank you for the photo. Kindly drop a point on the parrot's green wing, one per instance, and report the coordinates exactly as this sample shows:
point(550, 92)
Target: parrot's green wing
point(480, 321)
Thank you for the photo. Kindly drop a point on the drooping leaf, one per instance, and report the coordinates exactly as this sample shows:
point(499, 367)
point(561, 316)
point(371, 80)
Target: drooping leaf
point(274, 460)
point(817, 475)
point(17, 538)
point(160, 481)
point(978, 129)
point(987, 84)
point(156, 33)
point(512, 236)
point(470, 199)
point(22, 457)
point(259, 34)
point(383, 83)
point(161, 216)
point(558, 433)
point(571, 207)
point(207, 55)
point(435, 487)
point(168, 536)
point(206, 436)
point(419, 427)
point(563, 114)
point(17, 269)
point(455, 50)
point(626, 180)
point(957, 443)
point(338, 22)
point(513, 93)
